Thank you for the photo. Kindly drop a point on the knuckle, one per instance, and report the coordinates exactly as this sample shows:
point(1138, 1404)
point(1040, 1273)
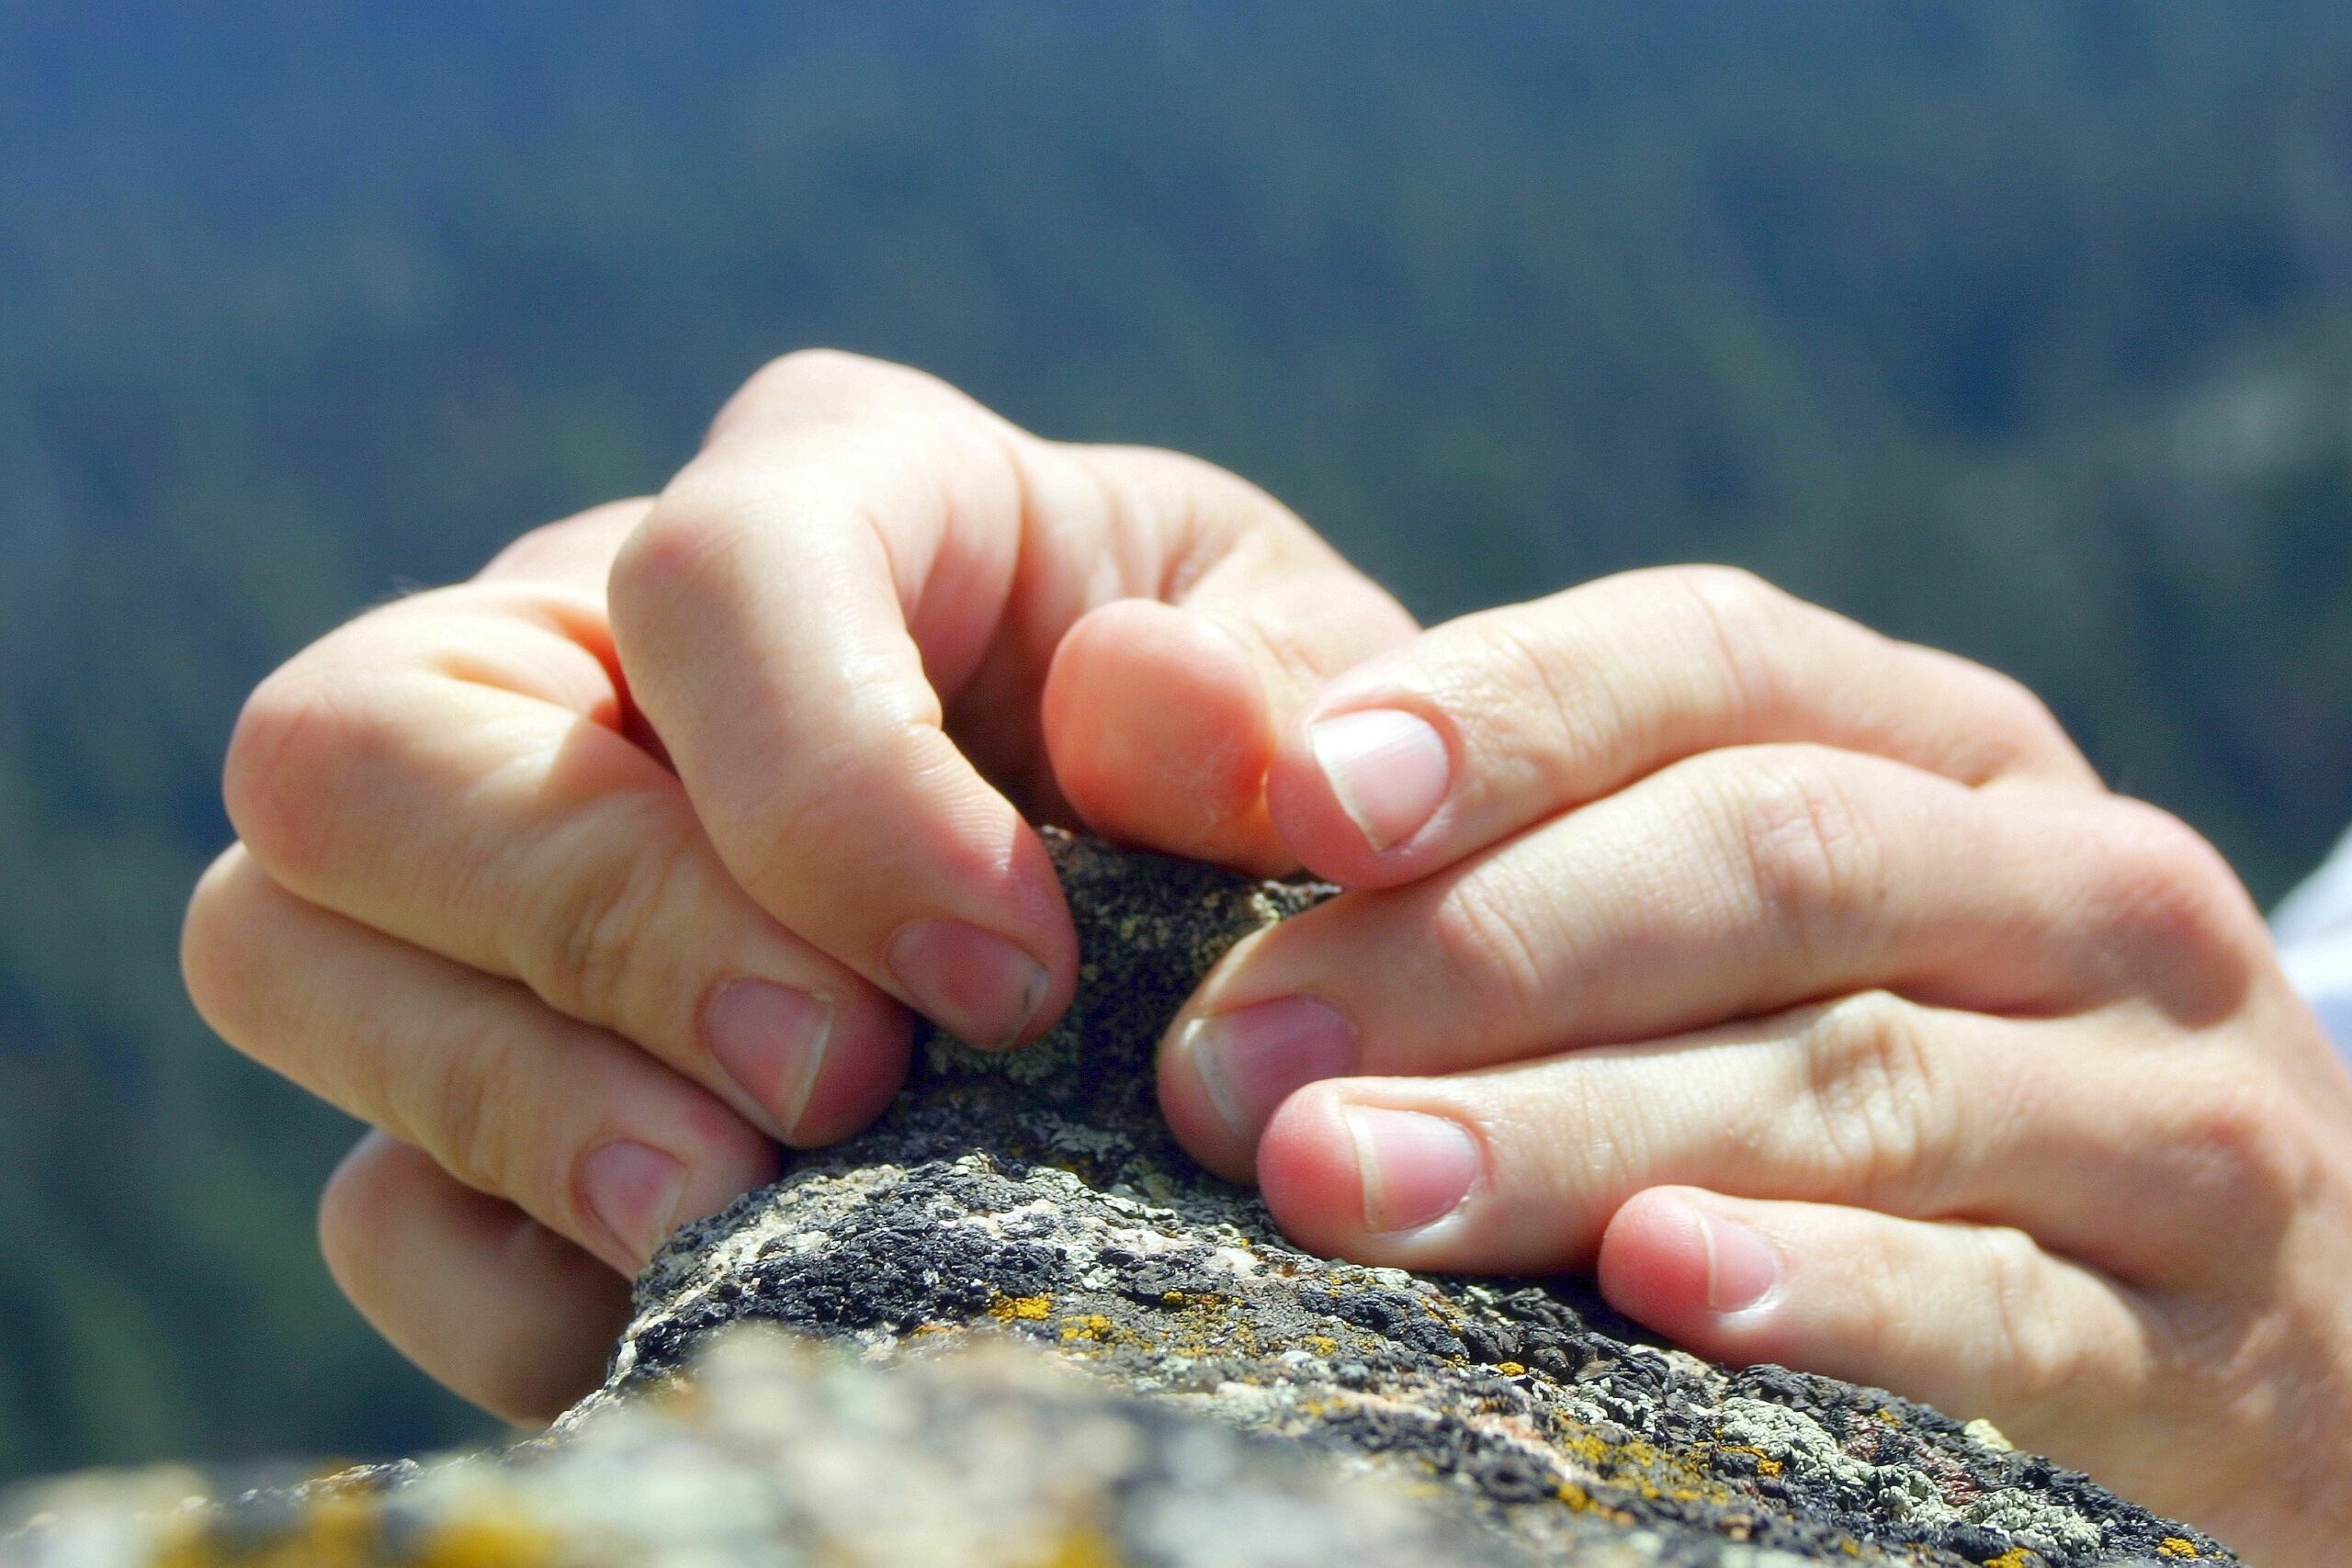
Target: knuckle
point(214, 943)
point(2235, 1146)
point(831, 382)
point(1496, 947)
point(2013, 708)
point(592, 938)
point(2174, 904)
point(1745, 620)
point(2037, 1347)
point(551, 539)
point(359, 1207)
point(463, 1109)
point(1812, 859)
point(1516, 660)
point(1874, 1087)
point(288, 756)
point(684, 544)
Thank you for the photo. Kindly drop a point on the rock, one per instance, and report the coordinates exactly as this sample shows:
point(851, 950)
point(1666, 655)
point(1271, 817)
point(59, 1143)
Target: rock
point(1192, 1390)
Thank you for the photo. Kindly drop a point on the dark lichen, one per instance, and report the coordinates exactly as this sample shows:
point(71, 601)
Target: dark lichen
point(1047, 1175)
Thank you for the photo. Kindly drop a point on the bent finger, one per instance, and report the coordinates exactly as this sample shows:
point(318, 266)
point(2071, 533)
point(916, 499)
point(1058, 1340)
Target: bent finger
point(859, 551)
point(580, 1129)
point(1731, 885)
point(452, 772)
point(1488, 724)
point(1871, 1100)
point(1162, 713)
point(805, 598)
point(1976, 1320)
point(484, 1298)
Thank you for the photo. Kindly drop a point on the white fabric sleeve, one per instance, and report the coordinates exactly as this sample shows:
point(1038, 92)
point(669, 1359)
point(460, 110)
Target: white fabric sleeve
point(2313, 927)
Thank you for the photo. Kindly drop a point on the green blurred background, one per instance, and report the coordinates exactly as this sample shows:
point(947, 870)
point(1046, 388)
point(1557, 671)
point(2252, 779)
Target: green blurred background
point(2022, 328)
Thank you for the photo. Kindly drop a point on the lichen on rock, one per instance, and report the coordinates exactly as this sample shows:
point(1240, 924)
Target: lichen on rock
point(1037, 1195)
point(1050, 1340)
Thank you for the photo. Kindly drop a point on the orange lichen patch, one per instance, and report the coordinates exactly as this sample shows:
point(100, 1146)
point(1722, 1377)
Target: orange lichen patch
point(2173, 1546)
point(487, 1544)
point(1084, 1547)
point(1583, 1501)
point(1644, 1469)
point(1028, 1309)
point(334, 1532)
point(2014, 1557)
point(347, 1532)
point(1765, 1463)
point(1511, 1369)
point(1092, 1327)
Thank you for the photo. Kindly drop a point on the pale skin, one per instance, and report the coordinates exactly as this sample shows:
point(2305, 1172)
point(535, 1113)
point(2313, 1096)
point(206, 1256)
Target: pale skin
point(1807, 984)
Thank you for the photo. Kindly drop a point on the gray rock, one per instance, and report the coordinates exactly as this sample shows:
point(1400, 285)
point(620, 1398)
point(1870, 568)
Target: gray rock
point(1032, 1334)
point(1038, 1196)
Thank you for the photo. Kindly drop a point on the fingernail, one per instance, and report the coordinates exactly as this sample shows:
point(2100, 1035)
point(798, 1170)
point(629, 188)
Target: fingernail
point(1252, 1058)
point(972, 983)
point(1742, 1266)
point(1387, 768)
point(771, 1039)
point(1416, 1168)
point(633, 1189)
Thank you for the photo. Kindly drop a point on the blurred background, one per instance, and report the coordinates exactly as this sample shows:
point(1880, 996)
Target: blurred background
point(2023, 328)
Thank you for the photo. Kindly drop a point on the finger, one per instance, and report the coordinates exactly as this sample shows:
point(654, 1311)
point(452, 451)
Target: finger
point(578, 1128)
point(451, 771)
point(1872, 1101)
point(1499, 720)
point(1160, 718)
point(575, 552)
point(860, 550)
point(804, 597)
point(1734, 883)
point(485, 1299)
point(1975, 1320)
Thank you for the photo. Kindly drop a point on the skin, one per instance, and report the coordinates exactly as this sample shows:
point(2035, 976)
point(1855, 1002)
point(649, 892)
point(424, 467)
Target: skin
point(1807, 986)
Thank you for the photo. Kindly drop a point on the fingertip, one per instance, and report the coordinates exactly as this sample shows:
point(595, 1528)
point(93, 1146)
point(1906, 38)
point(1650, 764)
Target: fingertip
point(864, 1063)
point(1354, 793)
point(1653, 1263)
point(1160, 729)
point(1308, 1172)
point(1192, 1115)
point(1314, 826)
point(1687, 1263)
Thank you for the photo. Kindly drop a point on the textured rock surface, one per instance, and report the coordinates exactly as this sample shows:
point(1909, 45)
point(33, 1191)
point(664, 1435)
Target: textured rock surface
point(1037, 1194)
point(1221, 1397)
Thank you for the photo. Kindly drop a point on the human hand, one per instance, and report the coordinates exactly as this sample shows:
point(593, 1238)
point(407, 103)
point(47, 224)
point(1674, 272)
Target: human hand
point(1809, 986)
point(585, 879)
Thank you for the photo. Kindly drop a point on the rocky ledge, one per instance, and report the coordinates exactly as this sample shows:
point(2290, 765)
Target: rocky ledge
point(1031, 1333)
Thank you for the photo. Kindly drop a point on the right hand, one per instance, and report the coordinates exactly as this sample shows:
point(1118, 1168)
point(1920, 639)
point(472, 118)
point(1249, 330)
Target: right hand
point(589, 880)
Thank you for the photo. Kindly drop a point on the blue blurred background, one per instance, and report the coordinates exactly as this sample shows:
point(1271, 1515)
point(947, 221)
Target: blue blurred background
point(2025, 327)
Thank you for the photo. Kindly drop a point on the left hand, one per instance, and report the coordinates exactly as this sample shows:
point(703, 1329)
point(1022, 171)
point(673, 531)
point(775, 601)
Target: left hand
point(1810, 986)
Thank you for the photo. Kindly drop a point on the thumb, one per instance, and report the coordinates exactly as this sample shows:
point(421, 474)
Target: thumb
point(1161, 717)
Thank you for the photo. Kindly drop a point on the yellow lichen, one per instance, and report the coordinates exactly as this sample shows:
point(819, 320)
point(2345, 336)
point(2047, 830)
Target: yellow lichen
point(2173, 1546)
point(2014, 1557)
point(1093, 1326)
point(487, 1544)
point(1029, 1309)
point(333, 1532)
point(1322, 1344)
point(1511, 1369)
point(1084, 1546)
